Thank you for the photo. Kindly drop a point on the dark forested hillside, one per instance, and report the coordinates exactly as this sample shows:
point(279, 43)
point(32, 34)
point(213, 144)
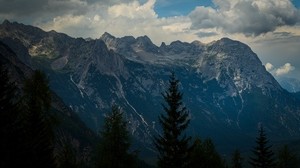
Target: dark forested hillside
point(67, 124)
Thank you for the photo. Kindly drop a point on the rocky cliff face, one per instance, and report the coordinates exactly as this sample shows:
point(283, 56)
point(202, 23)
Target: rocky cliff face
point(225, 86)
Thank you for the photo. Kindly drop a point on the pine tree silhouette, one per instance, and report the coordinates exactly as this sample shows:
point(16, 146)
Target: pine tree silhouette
point(204, 155)
point(38, 123)
point(236, 159)
point(172, 145)
point(287, 158)
point(263, 154)
point(113, 149)
point(10, 130)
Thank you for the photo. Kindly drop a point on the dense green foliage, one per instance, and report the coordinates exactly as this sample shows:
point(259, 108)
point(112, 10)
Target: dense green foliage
point(286, 158)
point(10, 130)
point(38, 124)
point(236, 160)
point(204, 155)
point(172, 145)
point(28, 138)
point(263, 154)
point(113, 149)
point(66, 154)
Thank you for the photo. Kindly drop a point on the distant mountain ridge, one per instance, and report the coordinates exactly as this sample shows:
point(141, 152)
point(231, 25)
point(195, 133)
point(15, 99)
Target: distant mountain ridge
point(226, 88)
point(290, 84)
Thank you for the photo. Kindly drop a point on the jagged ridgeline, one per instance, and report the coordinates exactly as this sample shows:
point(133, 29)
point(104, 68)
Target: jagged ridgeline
point(226, 88)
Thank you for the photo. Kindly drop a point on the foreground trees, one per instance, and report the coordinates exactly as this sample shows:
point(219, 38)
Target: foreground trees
point(113, 149)
point(27, 133)
point(204, 155)
point(10, 130)
point(263, 154)
point(27, 137)
point(37, 123)
point(236, 160)
point(173, 147)
point(286, 158)
point(66, 154)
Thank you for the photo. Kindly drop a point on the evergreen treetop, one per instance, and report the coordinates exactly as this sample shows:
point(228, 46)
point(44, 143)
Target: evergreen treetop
point(10, 129)
point(287, 158)
point(37, 121)
point(236, 159)
point(113, 149)
point(263, 154)
point(173, 146)
point(204, 155)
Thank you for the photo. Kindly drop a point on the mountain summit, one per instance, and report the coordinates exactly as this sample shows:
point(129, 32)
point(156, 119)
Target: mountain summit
point(226, 88)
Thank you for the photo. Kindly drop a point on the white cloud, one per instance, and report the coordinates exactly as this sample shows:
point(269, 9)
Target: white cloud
point(269, 67)
point(282, 70)
point(132, 18)
point(285, 69)
point(133, 10)
point(249, 17)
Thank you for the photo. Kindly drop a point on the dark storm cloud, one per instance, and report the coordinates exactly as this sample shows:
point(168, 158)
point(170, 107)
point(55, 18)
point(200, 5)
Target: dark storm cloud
point(40, 8)
point(251, 18)
point(13, 9)
point(206, 34)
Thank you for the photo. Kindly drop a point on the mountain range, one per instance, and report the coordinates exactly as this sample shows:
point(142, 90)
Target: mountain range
point(290, 84)
point(225, 86)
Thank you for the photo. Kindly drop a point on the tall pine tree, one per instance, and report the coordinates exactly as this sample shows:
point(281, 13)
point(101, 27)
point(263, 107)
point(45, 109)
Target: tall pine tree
point(113, 149)
point(287, 158)
point(66, 154)
point(236, 159)
point(10, 131)
point(263, 154)
point(204, 155)
point(38, 123)
point(173, 146)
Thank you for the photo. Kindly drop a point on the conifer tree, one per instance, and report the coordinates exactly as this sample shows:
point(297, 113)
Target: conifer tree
point(204, 155)
point(9, 130)
point(236, 159)
point(37, 122)
point(7, 102)
point(286, 158)
point(263, 154)
point(66, 154)
point(173, 146)
point(113, 149)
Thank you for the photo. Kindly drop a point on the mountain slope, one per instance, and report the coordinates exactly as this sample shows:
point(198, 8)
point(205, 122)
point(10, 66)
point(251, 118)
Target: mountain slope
point(225, 86)
point(68, 124)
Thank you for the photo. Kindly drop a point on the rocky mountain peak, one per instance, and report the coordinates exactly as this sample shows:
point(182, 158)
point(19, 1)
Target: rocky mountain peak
point(106, 35)
point(6, 22)
point(198, 43)
point(144, 43)
point(235, 66)
point(162, 45)
point(128, 45)
point(107, 38)
point(19, 30)
point(144, 39)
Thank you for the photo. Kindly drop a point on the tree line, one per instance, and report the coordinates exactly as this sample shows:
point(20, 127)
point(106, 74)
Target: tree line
point(28, 135)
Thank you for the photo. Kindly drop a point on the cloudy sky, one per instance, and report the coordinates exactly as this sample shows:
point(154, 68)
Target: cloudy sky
point(270, 27)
